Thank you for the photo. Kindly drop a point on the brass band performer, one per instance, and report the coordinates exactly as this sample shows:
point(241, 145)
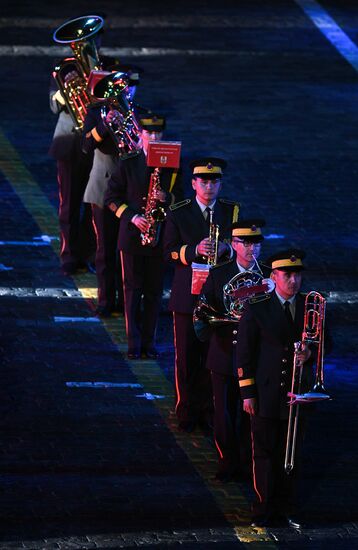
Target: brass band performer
point(265, 353)
point(187, 243)
point(231, 425)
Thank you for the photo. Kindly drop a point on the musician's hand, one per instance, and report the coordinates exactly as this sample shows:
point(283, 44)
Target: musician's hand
point(72, 75)
point(223, 248)
point(160, 195)
point(250, 405)
point(113, 117)
point(206, 247)
point(141, 223)
point(303, 355)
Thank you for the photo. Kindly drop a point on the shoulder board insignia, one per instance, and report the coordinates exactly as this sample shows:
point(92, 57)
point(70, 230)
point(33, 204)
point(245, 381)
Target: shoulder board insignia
point(179, 204)
point(227, 201)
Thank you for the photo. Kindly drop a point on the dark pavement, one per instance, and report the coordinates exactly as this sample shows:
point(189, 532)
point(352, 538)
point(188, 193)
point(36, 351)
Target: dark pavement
point(101, 465)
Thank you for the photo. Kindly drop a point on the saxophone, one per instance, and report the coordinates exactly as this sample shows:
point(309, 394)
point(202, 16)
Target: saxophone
point(153, 212)
point(71, 75)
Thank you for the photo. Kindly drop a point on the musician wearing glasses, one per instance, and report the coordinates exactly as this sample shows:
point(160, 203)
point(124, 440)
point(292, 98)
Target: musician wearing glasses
point(187, 243)
point(231, 424)
point(98, 140)
point(265, 352)
point(143, 266)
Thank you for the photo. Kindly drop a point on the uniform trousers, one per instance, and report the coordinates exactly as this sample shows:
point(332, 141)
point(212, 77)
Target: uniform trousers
point(275, 490)
point(77, 237)
point(231, 425)
point(107, 260)
point(143, 288)
point(194, 402)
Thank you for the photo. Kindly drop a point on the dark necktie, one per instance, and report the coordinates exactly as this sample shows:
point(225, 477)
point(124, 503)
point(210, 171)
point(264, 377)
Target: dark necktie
point(288, 312)
point(207, 215)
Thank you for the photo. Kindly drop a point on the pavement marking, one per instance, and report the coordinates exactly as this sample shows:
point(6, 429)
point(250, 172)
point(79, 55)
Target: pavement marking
point(331, 30)
point(101, 385)
point(24, 243)
point(76, 319)
point(190, 21)
point(230, 500)
point(61, 51)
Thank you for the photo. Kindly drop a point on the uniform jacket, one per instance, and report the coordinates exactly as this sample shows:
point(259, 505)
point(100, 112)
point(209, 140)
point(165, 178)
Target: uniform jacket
point(185, 228)
point(126, 196)
point(220, 356)
point(265, 355)
point(105, 155)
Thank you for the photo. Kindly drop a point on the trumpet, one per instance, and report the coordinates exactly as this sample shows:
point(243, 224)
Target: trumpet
point(313, 333)
point(214, 230)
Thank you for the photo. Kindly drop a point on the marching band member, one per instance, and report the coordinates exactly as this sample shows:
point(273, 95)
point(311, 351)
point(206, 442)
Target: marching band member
point(96, 138)
point(77, 240)
point(143, 266)
point(186, 241)
point(231, 428)
point(266, 334)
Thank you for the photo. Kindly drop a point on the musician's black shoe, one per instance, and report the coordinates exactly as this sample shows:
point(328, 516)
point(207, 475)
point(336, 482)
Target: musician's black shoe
point(69, 268)
point(187, 426)
point(150, 353)
point(133, 354)
point(103, 312)
point(295, 522)
point(269, 520)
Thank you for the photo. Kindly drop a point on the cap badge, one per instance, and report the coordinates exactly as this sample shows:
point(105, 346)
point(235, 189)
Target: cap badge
point(293, 259)
point(253, 228)
point(210, 166)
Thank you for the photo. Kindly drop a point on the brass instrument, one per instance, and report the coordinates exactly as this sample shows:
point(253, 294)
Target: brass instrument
point(124, 130)
point(71, 75)
point(213, 238)
point(313, 333)
point(153, 212)
point(246, 286)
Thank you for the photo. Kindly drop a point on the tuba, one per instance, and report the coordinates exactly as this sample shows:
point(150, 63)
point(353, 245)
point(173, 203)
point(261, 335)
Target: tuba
point(153, 212)
point(71, 75)
point(313, 333)
point(124, 130)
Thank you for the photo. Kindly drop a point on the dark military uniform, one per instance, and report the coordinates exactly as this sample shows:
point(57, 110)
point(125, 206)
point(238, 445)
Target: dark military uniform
point(73, 168)
point(143, 266)
point(231, 424)
point(186, 227)
point(108, 266)
point(265, 361)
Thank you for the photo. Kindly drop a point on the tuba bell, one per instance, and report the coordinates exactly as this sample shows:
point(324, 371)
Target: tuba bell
point(72, 74)
point(125, 130)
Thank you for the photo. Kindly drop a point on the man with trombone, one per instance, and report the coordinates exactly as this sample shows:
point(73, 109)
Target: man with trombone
point(266, 354)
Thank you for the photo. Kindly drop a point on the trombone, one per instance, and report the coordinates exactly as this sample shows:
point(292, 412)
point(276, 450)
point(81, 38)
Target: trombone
point(313, 333)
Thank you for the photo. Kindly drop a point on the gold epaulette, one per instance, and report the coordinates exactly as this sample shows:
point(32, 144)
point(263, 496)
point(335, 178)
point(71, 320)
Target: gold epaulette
point(179, 204)
point(227, 201)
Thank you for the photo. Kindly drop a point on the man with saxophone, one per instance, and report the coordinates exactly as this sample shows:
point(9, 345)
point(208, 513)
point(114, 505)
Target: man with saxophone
point(231, 425)
point(186, 243)
point(143, 268)
point(265, 352)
